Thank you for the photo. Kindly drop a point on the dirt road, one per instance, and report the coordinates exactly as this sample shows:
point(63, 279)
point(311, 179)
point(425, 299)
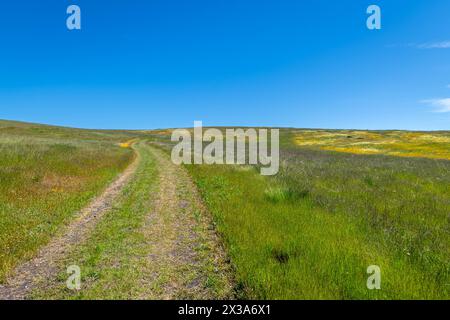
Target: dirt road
point(44, 265)
point(185, 258)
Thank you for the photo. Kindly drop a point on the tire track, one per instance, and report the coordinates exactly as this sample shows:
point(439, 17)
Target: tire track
point(185, 253)
point(43, 267)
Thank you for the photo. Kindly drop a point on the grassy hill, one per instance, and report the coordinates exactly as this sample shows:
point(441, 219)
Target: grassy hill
point(47, 173)
point(342, 201)
point(333, 210)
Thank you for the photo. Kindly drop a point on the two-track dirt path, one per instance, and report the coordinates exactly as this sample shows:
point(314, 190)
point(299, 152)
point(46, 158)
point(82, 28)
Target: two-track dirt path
point(44, 265)
point(185, 252)
point(185, 257)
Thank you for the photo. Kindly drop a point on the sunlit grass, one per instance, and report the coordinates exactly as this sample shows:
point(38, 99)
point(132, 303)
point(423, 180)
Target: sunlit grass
point(434, 145)
point(311, 231)
point(46, 175)
point(108, 257)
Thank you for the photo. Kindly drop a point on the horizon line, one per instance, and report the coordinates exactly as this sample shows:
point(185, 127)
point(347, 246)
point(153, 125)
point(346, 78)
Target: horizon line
point(212, 126)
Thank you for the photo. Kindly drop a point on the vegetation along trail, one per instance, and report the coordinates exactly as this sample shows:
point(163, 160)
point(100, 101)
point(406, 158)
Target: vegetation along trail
point(148, 236)
point(43, 266)
point(186, 259)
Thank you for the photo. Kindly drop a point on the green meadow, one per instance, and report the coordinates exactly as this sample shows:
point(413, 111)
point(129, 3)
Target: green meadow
point(341, 202)
point(46, 175)
point(311, 231)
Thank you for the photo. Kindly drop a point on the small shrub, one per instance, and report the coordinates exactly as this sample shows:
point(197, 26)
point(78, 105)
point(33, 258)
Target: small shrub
point(280, 256)
point(279, 194)
point(276, 194)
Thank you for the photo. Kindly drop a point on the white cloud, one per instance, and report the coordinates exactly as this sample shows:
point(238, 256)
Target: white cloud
point(424, 45)
point(434, 45)
point(439, 105)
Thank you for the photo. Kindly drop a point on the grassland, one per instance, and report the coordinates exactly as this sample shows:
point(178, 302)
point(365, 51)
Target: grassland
point(154, 243)
point(433, 145)
point(46, 175)
point(343, 200)
point(107, 259)
point(311, 231)
point(147, 238)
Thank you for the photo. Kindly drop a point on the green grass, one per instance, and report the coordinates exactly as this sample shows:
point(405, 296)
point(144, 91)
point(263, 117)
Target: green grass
point(114, 259)
point(434, 145)
point(308, 233)
point(46, 175)
point(316, 247)
point(312, 231)
point(111, 258)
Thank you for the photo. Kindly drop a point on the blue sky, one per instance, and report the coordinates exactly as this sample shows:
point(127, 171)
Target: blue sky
point(166, 63)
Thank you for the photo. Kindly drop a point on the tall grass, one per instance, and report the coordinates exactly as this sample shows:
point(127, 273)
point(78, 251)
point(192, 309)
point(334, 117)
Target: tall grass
point(108, 257)
point(46, 175)
point(312, 231)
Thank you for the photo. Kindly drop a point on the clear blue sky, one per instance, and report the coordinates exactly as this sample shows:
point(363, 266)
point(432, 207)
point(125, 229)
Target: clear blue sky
point(166, 63)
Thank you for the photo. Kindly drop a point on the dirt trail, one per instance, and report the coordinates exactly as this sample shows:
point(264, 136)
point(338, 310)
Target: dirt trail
point(185, 252)
point(184, 260)
point(44, 265)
